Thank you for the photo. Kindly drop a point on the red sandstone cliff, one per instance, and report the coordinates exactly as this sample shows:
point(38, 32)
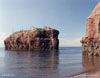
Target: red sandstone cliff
point(91, 41)
point(39, 38)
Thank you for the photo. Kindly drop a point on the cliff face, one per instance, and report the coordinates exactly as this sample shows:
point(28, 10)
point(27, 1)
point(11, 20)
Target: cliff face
point(39, 38)
point(91, 41)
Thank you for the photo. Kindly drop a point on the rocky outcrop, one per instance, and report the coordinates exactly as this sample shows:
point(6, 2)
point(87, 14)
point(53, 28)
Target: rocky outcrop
point(38, 38)
point(91, 41)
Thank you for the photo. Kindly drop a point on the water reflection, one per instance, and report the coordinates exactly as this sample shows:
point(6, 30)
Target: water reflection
point(41, 59)
point(91, 63)
point(34, 63)
point(41, 64)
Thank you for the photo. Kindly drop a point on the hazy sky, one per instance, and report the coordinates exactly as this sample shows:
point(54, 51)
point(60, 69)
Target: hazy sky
point(68, 16)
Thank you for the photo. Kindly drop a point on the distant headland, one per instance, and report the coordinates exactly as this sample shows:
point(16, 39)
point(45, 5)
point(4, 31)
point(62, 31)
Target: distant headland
point(38, 38)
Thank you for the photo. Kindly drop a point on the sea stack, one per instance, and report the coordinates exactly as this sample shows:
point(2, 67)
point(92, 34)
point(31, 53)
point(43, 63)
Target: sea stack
point(91, 41)
point(38, 38)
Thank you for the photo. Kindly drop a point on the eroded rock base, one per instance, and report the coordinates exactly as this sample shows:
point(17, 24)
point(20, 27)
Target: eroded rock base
point(91, 48)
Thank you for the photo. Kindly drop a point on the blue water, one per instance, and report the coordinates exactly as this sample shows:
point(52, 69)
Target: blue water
point(39, 64)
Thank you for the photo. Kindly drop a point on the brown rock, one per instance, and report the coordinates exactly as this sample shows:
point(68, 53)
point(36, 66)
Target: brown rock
point(91, 41)
point(39, 38)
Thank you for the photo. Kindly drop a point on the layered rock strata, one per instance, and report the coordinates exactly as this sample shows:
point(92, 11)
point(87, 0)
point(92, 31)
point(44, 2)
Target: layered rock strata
point(91, 41)
point(38, 38)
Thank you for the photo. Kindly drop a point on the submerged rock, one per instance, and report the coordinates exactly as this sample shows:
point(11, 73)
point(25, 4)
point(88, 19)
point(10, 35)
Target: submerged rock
point(39, 38)
point(91, 41)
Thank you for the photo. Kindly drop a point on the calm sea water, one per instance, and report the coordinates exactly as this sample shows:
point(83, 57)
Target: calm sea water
point(38, 64)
